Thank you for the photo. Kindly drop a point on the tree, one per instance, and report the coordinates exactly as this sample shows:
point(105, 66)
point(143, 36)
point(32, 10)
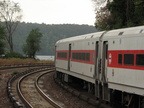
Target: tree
point(139, 14)
point(10, 15)
point(32, 43)
point(99, 4)
point(2, 44)
point(104, 20)
point(119, 14)
point(123, 12)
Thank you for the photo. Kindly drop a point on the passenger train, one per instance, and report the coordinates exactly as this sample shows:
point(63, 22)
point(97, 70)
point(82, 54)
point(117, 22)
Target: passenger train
point(108, 63)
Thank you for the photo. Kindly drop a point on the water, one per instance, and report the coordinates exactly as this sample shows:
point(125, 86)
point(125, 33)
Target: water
point(44, 57)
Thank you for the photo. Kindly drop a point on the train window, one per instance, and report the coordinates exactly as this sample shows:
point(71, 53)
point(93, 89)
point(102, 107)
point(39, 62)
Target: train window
point(87, 57)
point(62, 55)
point(81, 56)
point(120, 59)
point(129, 59)
point(77, 56)
point(140, 59)
point(74, 55)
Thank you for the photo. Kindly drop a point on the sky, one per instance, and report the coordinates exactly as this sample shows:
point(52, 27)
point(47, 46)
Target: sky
point(58, 11)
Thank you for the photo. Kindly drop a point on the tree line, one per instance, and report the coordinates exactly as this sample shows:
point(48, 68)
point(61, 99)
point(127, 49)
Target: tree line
point(30, 38)
point(110, 14)
point(114, 14)
point(51, 34)
point(10, 15)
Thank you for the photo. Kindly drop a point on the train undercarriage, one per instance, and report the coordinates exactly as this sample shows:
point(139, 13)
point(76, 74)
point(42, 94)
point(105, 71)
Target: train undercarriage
point(114, 98)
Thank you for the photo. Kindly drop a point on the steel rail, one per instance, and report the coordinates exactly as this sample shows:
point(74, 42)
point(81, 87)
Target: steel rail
point(23, 65)
point(24, 100)
point(11, 93)
point(42, 92)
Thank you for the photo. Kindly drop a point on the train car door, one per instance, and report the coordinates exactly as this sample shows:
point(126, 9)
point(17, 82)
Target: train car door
point(105, 91)
point(69, 57)
point(97, 70)
point(104, 60)
point(96, 59)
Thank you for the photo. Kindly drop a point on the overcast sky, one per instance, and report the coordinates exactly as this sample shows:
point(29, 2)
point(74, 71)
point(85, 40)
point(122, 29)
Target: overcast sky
point(58, 11)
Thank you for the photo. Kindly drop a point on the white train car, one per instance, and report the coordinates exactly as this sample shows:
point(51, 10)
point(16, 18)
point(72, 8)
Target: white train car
point(111, 62)
point(75, 56)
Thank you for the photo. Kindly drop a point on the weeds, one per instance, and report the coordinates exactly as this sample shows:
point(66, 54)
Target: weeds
point(14, 61)
point(15, 72)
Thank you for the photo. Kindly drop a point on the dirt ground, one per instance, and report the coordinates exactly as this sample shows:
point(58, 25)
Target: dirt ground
point(66, 99)
point(4, 77)
point(63, 97)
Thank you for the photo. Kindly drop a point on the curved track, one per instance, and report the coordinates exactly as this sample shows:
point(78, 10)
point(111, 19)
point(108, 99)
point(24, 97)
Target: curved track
point(24, 90)
point(5, 67)
point(39, 85)
point(31, 93)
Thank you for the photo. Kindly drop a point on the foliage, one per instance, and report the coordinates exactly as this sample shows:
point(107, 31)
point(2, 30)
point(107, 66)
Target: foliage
point(15, 72)
point(138, 13)
point(51, 34)
point(12, 61)
point(120, 14)
point(10, 15)
point(2, 44)
point(104, 19)
point(13, 55)
point(32, 43)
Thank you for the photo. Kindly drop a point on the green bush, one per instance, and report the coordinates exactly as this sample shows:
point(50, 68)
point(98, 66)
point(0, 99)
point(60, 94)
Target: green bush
point(15, 72)
point(13, 55)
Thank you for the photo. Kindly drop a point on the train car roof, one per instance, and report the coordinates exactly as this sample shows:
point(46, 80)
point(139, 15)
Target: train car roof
point(125, 31)
point(81, 37)
point(104, 34)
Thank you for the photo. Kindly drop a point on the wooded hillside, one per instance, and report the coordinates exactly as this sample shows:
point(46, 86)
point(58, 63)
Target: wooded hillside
point(51, 33)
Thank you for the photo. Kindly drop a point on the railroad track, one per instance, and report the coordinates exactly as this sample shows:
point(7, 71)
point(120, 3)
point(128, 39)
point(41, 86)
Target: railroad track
point(5, 67)
point(24, 90)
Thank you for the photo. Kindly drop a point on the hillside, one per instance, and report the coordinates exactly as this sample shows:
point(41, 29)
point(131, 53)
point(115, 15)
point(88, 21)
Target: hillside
point(51, 33)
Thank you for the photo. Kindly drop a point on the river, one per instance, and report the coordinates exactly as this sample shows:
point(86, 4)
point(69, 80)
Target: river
point(45, 57)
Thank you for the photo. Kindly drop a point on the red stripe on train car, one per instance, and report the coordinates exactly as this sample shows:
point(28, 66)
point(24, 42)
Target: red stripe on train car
point(91, 52)
point(62, 51)
point(113, 59)
point(92, 56)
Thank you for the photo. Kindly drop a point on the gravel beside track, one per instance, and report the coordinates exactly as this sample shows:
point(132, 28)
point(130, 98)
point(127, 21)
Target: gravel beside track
point(30, 92)
point(4, 77)
point(62, 96)
point(48, 85)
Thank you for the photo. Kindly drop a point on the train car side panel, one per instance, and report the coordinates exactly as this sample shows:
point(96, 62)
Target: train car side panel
point(62, 56)
point(82, 60)
point(124, 73)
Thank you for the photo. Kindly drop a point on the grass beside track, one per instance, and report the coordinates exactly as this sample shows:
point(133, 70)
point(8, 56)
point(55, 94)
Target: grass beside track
point(14, 61)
